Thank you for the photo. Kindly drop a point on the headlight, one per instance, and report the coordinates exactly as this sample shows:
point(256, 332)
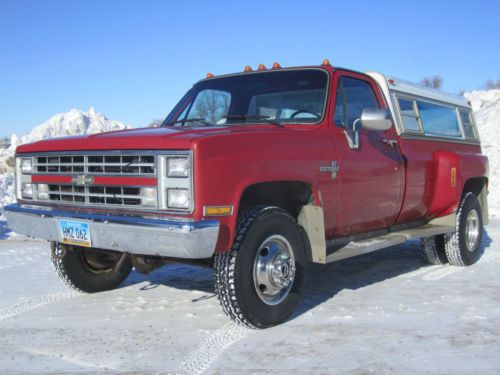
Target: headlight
point(178, 198)
point(26, 166)
point(27, 190)
point(178, 167)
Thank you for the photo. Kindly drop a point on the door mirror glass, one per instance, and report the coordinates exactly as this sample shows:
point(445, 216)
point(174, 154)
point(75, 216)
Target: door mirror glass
point(377, 119)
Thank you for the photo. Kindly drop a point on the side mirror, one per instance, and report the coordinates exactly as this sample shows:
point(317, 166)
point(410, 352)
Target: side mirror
point(377, 119)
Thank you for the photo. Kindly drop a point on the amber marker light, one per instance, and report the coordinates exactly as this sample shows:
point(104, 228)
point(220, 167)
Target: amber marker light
point(210, 75)
point(326, 62)
point(261, 67)
point(276, 65)
point(217, 210)
point(247, 69)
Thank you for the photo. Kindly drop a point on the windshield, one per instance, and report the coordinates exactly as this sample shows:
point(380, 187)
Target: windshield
point(295, 96)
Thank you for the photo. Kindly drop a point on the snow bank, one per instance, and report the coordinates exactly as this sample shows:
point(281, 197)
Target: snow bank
point(73, 122)
point(486, 106)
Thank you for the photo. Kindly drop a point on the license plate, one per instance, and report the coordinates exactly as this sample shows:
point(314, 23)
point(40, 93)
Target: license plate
point(75, 233)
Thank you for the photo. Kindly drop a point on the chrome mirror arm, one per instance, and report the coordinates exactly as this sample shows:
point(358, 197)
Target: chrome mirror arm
point(353, 135)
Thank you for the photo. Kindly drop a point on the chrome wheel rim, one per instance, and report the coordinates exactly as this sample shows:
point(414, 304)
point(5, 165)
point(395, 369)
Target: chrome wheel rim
point(274, 270)
point(472, 230)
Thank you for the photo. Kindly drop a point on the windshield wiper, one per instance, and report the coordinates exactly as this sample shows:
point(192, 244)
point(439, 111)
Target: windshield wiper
point(266, 119)
point(202, 121)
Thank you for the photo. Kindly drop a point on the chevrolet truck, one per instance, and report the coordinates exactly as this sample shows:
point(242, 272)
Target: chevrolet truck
point(257, 174)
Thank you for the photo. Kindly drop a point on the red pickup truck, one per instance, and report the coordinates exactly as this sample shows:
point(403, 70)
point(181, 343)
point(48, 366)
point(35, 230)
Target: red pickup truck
point(256, 174)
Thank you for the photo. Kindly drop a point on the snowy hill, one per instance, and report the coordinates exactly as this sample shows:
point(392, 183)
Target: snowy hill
point(486, 106)
point(73, 122)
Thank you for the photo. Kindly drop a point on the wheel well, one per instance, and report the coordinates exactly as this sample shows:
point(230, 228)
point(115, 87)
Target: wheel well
point(289, 195)
point(479, 187)
point(474, 185)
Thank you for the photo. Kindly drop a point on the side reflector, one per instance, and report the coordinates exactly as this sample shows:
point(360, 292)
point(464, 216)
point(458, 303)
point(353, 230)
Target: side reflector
point(453, 176)
point(326, 62)
point(247, 69)
point(210, 75)
point(217, 210)
point(261, 67)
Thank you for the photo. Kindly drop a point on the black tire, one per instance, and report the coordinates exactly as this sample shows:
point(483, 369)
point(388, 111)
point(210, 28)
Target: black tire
point(433, 250)
point(462, 249)
point(89, 270)
point(234, 270)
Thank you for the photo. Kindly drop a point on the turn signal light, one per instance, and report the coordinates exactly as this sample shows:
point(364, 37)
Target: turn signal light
point(261, 67)
point(210, 75)
point(217, 210)
point(326, 62)
point(276, 65)
point(247, 69)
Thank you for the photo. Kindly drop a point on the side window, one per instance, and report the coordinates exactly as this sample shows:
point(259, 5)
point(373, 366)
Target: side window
point(358, 96)
point(439, 119)
point(467, 124)
point(409, 115)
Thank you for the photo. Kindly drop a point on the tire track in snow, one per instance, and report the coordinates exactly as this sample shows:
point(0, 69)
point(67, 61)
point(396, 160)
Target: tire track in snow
point(212, 347)
point(33, 303)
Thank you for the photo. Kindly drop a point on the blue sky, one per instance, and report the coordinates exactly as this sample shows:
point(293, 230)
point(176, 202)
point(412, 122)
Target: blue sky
point(133, 60)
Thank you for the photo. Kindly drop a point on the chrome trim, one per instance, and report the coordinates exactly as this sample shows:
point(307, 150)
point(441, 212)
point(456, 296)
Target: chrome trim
point(158, 175)
point(169, 237)
point(422, 137)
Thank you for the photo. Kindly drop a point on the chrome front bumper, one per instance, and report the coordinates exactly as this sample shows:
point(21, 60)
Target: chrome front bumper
point(136, 235)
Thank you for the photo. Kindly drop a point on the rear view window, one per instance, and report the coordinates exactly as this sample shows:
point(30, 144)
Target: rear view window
point(409, 115)
point(438, 119)
point(467, 124)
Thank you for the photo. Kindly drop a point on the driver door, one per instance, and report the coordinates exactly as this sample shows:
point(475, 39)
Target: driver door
point(372, 176)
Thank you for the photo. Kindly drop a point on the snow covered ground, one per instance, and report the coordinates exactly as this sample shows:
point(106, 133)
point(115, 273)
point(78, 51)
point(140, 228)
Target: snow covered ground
point(386, 312)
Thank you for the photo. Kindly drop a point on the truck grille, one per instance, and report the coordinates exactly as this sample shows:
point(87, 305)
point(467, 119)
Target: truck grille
point(96, 164)
point(95, 195)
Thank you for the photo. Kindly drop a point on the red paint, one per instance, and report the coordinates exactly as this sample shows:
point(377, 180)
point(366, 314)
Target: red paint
point(377, 185)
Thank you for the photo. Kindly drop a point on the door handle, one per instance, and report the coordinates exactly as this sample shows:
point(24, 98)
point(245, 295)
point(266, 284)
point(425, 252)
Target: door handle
point(390, 142)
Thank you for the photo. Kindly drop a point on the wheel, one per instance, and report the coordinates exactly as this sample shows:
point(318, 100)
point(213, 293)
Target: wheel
point(433, 250)
point(463, 247)
point(90, 270)
point(260, 280)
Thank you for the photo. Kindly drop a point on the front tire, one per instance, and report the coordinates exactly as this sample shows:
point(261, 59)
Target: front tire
point(89, 270)
point(260, 280)
point(463, 247)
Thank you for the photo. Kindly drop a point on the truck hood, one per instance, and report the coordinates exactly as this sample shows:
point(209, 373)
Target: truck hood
point(173, 138)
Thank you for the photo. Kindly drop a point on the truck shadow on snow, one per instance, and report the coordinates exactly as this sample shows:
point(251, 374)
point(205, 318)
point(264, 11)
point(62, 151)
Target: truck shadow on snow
point(323, 281)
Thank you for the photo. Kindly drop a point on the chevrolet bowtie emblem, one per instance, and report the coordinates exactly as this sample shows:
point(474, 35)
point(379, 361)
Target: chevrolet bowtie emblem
point(83, 180)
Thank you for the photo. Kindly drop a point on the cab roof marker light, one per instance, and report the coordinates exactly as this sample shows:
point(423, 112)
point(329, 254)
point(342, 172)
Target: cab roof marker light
point(210, 75)
point(262, 67)
point(326, 62)
point(276, 65)
point(247, 69)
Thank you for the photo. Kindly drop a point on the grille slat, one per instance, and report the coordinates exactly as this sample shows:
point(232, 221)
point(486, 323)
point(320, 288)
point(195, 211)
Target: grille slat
point(109, 195)
point(96, 164)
